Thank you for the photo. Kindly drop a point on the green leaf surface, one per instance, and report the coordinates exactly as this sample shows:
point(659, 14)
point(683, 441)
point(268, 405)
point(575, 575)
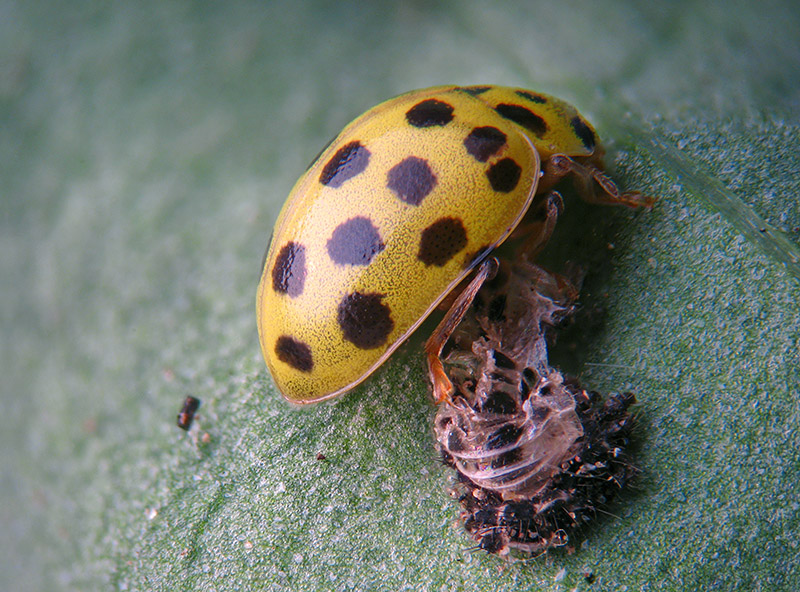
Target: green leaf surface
point(145, 149)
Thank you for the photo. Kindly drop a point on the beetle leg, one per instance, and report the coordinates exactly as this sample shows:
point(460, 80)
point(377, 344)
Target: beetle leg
point(539, 225)
point(442, 387)
point(593, 184)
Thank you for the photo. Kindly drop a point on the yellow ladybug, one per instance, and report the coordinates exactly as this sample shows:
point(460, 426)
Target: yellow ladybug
point(404, 204)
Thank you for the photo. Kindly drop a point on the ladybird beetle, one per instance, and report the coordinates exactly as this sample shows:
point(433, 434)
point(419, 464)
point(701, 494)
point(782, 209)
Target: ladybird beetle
point(404, 204)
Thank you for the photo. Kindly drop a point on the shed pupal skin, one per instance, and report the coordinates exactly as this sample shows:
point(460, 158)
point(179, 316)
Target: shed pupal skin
point(534, 452)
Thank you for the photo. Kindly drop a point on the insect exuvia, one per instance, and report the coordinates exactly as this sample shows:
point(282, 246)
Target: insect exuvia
point(404, 205)
point(534, 452)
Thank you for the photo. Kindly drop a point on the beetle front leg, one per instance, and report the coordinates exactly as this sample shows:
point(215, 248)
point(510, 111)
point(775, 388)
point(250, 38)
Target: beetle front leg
point(442, 387)
point(593, 184)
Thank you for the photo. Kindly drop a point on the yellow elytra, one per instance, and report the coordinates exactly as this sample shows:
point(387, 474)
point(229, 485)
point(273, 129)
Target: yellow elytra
point(400, 208)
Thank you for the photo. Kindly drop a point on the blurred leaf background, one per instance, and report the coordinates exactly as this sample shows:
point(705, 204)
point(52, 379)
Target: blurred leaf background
point(145, 149)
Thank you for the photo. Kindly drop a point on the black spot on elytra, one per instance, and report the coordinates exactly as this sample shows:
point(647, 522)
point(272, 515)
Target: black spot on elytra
point(505, 436)
point(295, 353)
point(584, 132)
point(441, 241)
point(532, 97)
point(365, 321)
point(484, 142)
point(474, 90)
point(411, 180)
point(430, 113)
point(355, 242)
point(499, 402)
point(504, 175)
point(348, 161)
point(524, 117)
point(289, 271)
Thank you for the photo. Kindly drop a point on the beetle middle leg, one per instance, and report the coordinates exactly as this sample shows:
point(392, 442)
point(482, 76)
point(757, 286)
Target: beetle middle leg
point(442, 387)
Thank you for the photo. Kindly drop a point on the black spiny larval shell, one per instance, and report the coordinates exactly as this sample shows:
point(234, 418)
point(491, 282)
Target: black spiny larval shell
point(535, 453)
